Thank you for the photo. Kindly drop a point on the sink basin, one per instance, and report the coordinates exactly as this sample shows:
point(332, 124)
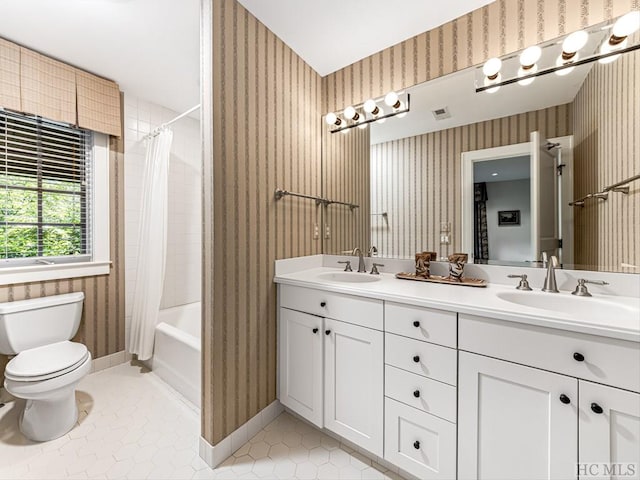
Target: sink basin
point(585, 308)
point(348, 277)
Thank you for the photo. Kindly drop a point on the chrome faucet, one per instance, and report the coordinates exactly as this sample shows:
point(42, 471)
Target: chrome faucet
point(361, 267)
point(373, 251)
point(550, 284)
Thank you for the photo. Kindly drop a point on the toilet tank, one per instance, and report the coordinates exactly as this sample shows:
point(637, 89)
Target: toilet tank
point(26, 324)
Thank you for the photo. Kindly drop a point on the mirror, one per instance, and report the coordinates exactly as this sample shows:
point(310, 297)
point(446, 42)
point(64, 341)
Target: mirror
point(527, 152)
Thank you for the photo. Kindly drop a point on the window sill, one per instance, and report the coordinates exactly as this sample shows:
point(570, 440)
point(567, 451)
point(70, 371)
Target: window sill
point(41, 273)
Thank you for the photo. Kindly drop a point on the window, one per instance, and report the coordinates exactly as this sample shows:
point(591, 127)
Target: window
point(45, 191)
point(54, 200)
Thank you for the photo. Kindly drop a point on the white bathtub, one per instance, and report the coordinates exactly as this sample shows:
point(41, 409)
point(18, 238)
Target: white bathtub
point(176, 356)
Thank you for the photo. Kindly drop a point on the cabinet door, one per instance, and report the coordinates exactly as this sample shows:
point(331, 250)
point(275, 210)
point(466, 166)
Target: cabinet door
point(301, 364)
point(515, 422)
point(354, 388)
point(609, 431)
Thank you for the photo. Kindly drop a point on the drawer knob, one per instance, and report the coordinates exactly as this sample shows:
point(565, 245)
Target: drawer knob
point(416, 445)
point(315, 330)
point(416, 394)
point(327, 332)
point(564, 399)
point(596, 408)
point(323, 304)
point(416, 359)
point(578, 357)
point(416, 323)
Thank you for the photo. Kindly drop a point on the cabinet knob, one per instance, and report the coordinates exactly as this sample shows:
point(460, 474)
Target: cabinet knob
point(315, 330)
point(564, 399)
point(416, 445)
point(416, 394)
point(416, 359)
point(578, 357)
point(327, 332)
point(416, 323)
point(595, 408)
point(323, 304)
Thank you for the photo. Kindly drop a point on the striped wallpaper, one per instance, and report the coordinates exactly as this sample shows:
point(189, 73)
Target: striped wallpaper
point(607, 150)
point(266, 135)
point(346, 178)
point(417, 180)
point(267, 105)
point(102, 326)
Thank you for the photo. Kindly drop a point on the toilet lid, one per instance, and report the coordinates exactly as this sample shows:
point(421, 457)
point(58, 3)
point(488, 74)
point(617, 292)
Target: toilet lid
point(47, 361)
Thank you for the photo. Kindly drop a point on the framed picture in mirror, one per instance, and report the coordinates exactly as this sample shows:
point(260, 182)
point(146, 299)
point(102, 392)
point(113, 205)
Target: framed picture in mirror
point(508, 218)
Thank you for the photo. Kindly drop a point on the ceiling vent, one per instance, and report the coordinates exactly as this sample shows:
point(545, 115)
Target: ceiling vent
point(441, 113)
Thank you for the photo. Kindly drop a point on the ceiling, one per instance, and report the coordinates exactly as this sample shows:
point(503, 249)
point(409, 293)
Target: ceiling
point(332, 34)
point(502, 170)
point(150, 47)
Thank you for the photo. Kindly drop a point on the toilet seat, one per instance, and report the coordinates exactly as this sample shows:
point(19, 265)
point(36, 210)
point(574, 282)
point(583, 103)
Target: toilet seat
point(46, 362)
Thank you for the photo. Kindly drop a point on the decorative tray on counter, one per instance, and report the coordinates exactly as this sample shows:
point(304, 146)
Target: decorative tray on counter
point(465, 281)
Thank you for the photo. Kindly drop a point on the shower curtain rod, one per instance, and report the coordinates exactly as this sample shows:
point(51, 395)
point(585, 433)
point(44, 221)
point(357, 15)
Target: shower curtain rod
point(173, 120)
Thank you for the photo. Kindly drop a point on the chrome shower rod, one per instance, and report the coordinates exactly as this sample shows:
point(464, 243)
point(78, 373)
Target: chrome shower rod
point(279, 193)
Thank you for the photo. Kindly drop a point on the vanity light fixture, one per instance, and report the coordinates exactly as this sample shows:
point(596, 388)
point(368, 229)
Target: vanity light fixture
point(604, 43)
point(370, 111)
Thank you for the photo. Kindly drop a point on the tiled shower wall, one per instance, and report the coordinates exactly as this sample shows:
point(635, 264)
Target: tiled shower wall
point(182, 273)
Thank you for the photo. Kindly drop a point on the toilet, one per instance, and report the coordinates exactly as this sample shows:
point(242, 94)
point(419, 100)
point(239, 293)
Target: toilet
point(47, 366)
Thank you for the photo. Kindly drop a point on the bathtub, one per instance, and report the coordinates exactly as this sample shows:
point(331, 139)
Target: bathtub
point(176, 356)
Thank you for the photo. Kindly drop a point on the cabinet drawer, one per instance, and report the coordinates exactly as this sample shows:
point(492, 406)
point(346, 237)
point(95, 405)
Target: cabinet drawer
point(357, 310)
point(606, 360)
point(419, 443)
point(421, 358)
point(422, 393)
point(429, 325)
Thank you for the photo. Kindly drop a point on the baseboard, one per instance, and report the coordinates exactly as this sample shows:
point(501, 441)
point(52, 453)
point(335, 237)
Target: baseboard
point(214, 455)
point(108, 361)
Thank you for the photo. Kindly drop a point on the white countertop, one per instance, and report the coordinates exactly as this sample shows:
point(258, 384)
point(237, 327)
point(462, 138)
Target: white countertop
point(624, 324)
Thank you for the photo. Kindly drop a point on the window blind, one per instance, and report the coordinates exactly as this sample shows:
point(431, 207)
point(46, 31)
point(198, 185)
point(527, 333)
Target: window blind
point(45, 190)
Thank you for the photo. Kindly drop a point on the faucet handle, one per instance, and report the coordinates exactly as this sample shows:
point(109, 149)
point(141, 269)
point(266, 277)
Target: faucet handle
point(347, 264)
point(374, 268)
point(581, 289)
point(524, 283)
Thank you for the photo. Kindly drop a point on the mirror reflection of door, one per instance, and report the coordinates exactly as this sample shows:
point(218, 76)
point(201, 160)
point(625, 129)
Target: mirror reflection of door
point(511, 193)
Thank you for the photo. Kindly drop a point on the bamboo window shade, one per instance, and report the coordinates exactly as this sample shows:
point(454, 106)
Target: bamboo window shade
point(35, 84)
point(9, 75)
point(98, 104)
point(47, 87)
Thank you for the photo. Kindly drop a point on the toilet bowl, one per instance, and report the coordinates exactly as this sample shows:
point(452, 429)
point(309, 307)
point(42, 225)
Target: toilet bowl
point(47, 366)
point(46, 377)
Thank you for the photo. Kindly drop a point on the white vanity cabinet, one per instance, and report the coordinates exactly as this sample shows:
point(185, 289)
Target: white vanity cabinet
point(420, 389)
point(301, 364)
point(515, 422)
point(331, 354)
point(520, 422)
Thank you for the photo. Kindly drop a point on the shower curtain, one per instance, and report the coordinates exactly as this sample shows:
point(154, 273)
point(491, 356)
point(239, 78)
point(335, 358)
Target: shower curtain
point(481, 237)
point(152, 240)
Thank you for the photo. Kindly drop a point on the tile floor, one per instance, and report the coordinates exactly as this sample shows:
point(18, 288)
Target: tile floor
point(133, 426)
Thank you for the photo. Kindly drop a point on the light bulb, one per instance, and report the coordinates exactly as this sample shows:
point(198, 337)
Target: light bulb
point(331, 118)
point(608, 48)
point(565, 71)
point(492, 68)
point(488, 81)
point(351, 114)
point(522, 72)
point(573, 43)
point(370, 106)
point(626, 25)
point(530, 56)
point(380, 112)
point(392, 100)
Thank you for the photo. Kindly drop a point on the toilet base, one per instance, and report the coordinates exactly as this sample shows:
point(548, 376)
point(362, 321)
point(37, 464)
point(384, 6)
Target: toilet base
point(44, 420)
